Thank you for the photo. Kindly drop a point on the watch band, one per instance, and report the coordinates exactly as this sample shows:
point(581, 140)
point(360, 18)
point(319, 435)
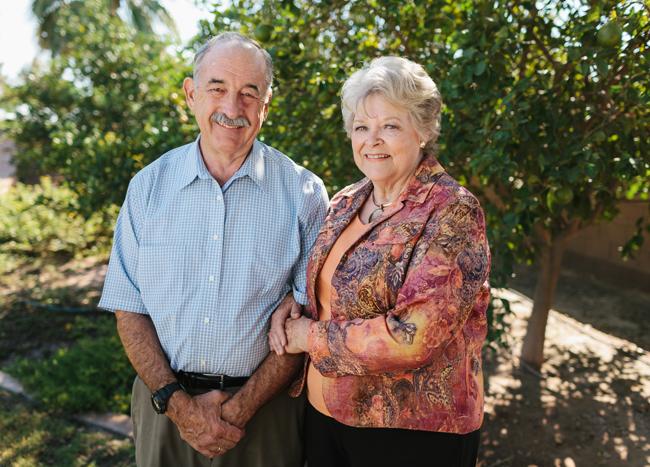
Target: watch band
point(160, 398)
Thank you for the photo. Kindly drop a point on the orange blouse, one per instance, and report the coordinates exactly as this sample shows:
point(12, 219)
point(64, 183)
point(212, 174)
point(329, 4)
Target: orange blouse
point(324, 293)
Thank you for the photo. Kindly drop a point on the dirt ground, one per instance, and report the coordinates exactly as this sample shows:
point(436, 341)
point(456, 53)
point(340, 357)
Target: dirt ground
point(589, 406)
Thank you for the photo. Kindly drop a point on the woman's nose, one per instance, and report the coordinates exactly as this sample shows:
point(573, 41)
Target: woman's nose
point(374, 138)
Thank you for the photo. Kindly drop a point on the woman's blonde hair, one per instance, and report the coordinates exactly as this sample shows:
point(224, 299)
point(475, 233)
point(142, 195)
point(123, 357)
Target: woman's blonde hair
point(401, 82)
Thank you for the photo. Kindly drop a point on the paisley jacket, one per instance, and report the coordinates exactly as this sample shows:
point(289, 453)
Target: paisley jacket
point(403, 347)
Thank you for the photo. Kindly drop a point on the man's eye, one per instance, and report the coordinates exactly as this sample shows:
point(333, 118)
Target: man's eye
point(216, 90)
point(249, 96)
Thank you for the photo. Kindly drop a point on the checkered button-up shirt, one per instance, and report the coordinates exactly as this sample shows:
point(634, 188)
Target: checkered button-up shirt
point(210, 263)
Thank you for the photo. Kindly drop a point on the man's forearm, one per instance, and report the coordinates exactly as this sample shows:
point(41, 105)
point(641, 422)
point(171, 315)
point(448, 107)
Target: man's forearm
point(197, 418)
point(143, 348)
point(272, 376)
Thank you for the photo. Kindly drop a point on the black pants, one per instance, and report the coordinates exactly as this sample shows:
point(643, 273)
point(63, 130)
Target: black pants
point(329, 443)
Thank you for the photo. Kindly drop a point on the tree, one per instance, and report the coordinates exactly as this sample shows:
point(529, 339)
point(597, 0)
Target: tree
point(566, 137)
point(546, 115)
point(96, 114)
point(141, 14)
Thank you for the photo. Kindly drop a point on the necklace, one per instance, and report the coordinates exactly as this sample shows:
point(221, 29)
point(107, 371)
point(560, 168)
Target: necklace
point(379, 208)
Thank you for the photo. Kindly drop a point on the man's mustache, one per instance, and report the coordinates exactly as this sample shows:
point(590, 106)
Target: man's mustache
point(221, 118)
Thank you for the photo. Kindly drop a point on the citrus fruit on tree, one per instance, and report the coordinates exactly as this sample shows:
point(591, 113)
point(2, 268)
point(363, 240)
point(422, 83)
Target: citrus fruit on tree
point(609, 35)
point(564, 195)
point(263, 32)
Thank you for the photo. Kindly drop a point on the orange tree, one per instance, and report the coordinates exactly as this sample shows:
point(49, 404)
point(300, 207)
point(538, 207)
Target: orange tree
point(546, 108)
point(560, 127)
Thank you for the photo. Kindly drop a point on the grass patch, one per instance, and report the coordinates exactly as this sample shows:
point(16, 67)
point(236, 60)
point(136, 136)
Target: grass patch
point(91, 374)
point(28, 326)
point(31, 436)
point(26, 331)
point(66, 353)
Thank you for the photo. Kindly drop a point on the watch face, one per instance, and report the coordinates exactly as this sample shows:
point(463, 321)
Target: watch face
point(158, 405)
point(161, 396)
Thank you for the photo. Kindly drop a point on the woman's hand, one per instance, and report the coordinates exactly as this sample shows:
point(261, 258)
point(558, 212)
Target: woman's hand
point(277, 337)
point(297, 331)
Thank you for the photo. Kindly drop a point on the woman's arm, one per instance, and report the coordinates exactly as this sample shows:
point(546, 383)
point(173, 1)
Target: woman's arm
point(446, 281)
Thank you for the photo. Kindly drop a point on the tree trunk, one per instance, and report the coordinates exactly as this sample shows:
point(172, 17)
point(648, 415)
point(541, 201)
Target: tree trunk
point(550, 261)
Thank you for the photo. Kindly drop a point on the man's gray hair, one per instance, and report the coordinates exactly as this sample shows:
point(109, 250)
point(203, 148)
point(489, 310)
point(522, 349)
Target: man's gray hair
point(401, 82)
point(233, 37)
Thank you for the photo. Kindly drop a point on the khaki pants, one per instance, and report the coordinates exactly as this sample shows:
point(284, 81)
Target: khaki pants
point(273, 436)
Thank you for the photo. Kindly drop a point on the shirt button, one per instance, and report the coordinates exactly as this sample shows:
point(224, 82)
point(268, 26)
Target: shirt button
point(203, 363)
point(206, 320)
point(218, 197)
point(211, 278)
point(215, 237)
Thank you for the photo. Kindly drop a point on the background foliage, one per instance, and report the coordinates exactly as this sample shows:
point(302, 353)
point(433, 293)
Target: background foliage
point(106, 106)
point(140, 14)
point(44, 220)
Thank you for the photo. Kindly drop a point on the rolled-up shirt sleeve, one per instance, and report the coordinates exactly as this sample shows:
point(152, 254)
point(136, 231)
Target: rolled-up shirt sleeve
point(121, 291)
point(446, 282)
point(310, 217)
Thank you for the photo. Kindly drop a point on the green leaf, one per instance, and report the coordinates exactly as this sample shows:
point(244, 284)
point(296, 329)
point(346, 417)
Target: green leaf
point(602, 66)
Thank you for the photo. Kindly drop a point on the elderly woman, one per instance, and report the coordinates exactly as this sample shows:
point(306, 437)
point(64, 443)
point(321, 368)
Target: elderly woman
point(397, 292)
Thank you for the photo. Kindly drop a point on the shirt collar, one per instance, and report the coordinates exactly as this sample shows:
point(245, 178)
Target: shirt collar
point(189, 168)
point(426, 175)
point(193, 166)
point(253, 167)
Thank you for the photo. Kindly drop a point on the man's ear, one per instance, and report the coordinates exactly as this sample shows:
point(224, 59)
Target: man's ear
point(266, 105)
point(188, 88)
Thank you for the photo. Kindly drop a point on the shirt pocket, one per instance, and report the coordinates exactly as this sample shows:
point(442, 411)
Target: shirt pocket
point(275, 256)
point(161, 276)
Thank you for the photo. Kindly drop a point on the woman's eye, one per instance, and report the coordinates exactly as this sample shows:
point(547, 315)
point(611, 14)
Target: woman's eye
point(391, 127)
point(360, 128)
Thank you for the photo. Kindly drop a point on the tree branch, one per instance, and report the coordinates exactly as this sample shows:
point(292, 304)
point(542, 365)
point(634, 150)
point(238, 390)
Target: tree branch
point(557, 67)
point(523, 62)
point(489, 193)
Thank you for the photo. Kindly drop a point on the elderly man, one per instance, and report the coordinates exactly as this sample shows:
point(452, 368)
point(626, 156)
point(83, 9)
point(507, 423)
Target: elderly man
point(212, 238)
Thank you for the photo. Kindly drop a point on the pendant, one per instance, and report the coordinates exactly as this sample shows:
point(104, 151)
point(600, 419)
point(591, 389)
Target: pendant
point(372, 215)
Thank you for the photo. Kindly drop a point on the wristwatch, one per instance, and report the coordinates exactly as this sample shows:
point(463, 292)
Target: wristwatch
point(160, 398)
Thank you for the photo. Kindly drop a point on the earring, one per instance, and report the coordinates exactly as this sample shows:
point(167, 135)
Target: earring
point(422, 144)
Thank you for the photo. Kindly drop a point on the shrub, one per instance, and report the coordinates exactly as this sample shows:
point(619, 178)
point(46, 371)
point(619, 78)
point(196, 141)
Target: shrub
point(44, 220)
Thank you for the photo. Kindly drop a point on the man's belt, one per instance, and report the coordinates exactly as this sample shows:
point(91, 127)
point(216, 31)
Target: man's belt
point(203, 381)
